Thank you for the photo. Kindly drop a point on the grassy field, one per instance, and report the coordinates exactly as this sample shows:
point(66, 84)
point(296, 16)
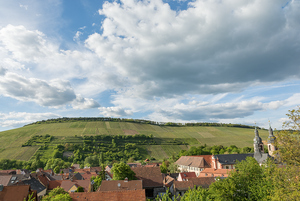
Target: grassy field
point(12, 140)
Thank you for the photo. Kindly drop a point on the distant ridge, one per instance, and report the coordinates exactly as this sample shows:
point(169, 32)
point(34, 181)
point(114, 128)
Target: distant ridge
point(142, 121)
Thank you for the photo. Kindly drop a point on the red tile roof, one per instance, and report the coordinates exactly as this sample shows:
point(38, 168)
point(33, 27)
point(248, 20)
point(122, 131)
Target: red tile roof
point(15, 193)
point(132, 195)
point(4, 179)
point(113, 185)
point(67, 184)
point(201, 161)
point(55, 183)
point(191, 182)
point(211, 172)
point(151, 176)
point(184, 175)
point(44, 180)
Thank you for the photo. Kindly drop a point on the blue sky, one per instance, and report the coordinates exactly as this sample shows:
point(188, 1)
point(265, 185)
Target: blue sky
point(180, 61)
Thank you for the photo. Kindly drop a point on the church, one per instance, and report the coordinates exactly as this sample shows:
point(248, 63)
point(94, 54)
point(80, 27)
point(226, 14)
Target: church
point(227, 161)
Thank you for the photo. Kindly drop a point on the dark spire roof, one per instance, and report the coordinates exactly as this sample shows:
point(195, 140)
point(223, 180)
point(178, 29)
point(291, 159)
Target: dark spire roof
point(271, 138)
point(257, 139)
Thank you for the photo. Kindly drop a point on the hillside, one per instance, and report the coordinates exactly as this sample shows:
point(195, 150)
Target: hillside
point(72, 132)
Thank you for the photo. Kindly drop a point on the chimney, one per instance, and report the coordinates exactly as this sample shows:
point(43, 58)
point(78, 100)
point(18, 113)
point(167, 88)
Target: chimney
point(126, 179)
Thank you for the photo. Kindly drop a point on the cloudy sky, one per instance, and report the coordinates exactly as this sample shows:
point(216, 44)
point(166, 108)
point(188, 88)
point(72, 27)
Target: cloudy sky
point(227, 61)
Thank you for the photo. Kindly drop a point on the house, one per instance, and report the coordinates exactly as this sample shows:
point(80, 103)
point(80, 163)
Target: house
point(180, 187)
point(169, 178)
point(184, 175)
point(228, 161)
point(211, 172)
point(152, 179)
point(16, 193)
point(72, 186)
point(54, 184)
point(132, 195)
point(120, 185)
point(194, 163)
point(4, 179)
point(35, 185)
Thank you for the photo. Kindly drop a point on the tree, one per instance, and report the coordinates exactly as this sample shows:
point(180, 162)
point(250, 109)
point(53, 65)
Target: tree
point(97, 182)
point(286, 179)
point(288, 141)
point(196, 194)
point(248, 182)
point(163, 167)
point(121, 171)
point(57, 194)
point(80, 189)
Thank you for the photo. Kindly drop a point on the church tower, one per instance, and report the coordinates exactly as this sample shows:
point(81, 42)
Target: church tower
point(271, 142)
point(258, 145)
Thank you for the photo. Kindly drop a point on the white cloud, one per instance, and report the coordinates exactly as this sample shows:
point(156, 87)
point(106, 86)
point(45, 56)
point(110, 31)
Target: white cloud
point(77, 35)
point(84, 103)
point(114, 112)
point(53, 94)
point(82, 28)
point(24, 6)
point(17, 119)
point(209, 48)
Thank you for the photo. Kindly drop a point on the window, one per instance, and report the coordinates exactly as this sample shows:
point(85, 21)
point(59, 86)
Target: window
point(205, 174)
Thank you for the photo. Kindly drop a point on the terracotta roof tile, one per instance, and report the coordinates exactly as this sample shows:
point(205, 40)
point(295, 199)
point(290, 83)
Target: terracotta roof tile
point(113, 185)
point(191, 182)
point(67, 184)
point(14, 193)
point(185, 175)
point(132, 195)
point(4, 179)
point(151, 176)
point(55, 183)
point(201, 161)
point(211, 172)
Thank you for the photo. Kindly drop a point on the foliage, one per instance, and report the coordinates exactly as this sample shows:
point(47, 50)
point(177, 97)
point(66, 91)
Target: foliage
point(90, 119)
point(248, 182)
point(163, 167)
point(38, 140)
point(30, 197)
point(121, 171)
point(198, 194)
point(97, 182)
point(57, 194)
point(288, 140)
point(80, 189)
point(165, 197)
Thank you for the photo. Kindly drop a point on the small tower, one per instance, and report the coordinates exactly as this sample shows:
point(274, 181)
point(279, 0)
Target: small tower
point(271, 142)
point(258, 145)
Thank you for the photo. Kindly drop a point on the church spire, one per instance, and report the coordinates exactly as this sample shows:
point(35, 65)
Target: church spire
point(271, 141)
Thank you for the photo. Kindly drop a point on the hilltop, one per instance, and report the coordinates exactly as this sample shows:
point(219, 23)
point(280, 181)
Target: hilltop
point(167, 139)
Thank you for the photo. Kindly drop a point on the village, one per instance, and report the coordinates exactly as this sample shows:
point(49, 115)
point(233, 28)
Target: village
point(149, 181)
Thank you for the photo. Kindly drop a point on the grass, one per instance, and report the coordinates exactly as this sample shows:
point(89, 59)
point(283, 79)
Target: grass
point(12, 140)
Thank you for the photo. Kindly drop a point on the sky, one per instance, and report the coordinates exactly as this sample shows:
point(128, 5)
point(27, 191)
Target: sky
point(167, 61)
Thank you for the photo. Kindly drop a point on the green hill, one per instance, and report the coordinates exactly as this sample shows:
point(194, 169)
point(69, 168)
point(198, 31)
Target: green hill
point(164, 136)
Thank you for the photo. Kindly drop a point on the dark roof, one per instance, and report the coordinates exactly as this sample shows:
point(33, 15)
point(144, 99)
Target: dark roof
point(231, 159)
point(17, 178)
point(120, 185)
point(132, 195)
point(173, 175)
point(35, 185)
point(76, 176)
point(151, 176)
